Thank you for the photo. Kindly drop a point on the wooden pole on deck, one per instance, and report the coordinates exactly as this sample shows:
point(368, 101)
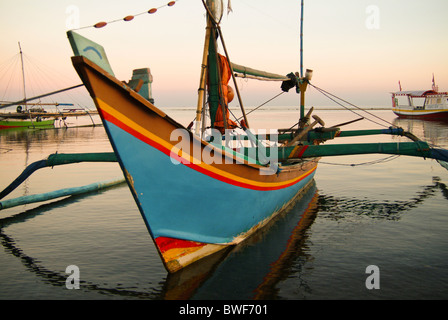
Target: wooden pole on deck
point(201, 92)
point(218, 28)
point(24, 88)
point(301, 39)
point(233, 77)
point(302, 85)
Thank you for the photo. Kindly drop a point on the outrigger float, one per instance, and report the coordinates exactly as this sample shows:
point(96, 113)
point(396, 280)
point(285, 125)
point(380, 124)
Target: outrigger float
point(205, 188)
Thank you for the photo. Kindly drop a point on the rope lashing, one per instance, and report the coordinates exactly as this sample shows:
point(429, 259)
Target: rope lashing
point(128, 18)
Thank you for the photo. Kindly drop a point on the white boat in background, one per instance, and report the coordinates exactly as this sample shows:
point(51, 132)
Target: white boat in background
point(424, 104)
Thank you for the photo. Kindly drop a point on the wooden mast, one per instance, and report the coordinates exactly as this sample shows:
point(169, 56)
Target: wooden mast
point(216, 26)
point(301, 39)
point(23, 76)
point(201, 90)
point(24, 87)
point(233, 77)
point(302, 85)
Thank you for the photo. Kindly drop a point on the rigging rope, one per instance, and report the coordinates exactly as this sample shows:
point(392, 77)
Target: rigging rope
point(10, 68)
point(331, 96)
point(263, 104)
point(387, 159)
point(129, 17)
point(278, 95)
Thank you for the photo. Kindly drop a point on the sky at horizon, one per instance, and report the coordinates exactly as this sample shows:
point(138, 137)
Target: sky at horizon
point(359, 50)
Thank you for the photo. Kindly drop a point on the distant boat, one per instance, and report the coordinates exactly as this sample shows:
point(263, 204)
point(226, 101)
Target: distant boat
point(424, 104)
point(33, 114)
point(26, 124)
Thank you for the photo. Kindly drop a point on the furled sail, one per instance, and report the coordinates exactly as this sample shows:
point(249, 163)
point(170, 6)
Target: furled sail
point(246, 72)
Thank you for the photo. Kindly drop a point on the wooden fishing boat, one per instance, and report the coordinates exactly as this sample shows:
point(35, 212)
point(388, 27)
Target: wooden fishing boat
point(199, 194)
point(167, 181)
point(167, 192)
point(423, 104)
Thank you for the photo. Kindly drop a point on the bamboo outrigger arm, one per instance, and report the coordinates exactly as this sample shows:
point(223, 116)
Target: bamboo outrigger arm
point(415, 149)
point(301, 152)
point(59, 193)
point(56, 160)
point(324, 134)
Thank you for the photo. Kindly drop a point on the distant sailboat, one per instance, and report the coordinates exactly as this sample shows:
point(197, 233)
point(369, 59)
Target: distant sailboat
point(24, 117)
point(34, 115)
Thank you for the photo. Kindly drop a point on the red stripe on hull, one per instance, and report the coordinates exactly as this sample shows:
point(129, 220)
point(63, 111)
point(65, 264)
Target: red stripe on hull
point(434, 116)
point(9, 127)
point(164, 244)
point(141, 137)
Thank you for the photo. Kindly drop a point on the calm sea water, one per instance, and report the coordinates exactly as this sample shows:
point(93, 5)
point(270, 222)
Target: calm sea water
point(360, 211)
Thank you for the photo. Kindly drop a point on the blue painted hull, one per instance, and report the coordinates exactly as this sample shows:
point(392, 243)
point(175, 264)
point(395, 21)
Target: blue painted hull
point(179, 202)
point(192, 208)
